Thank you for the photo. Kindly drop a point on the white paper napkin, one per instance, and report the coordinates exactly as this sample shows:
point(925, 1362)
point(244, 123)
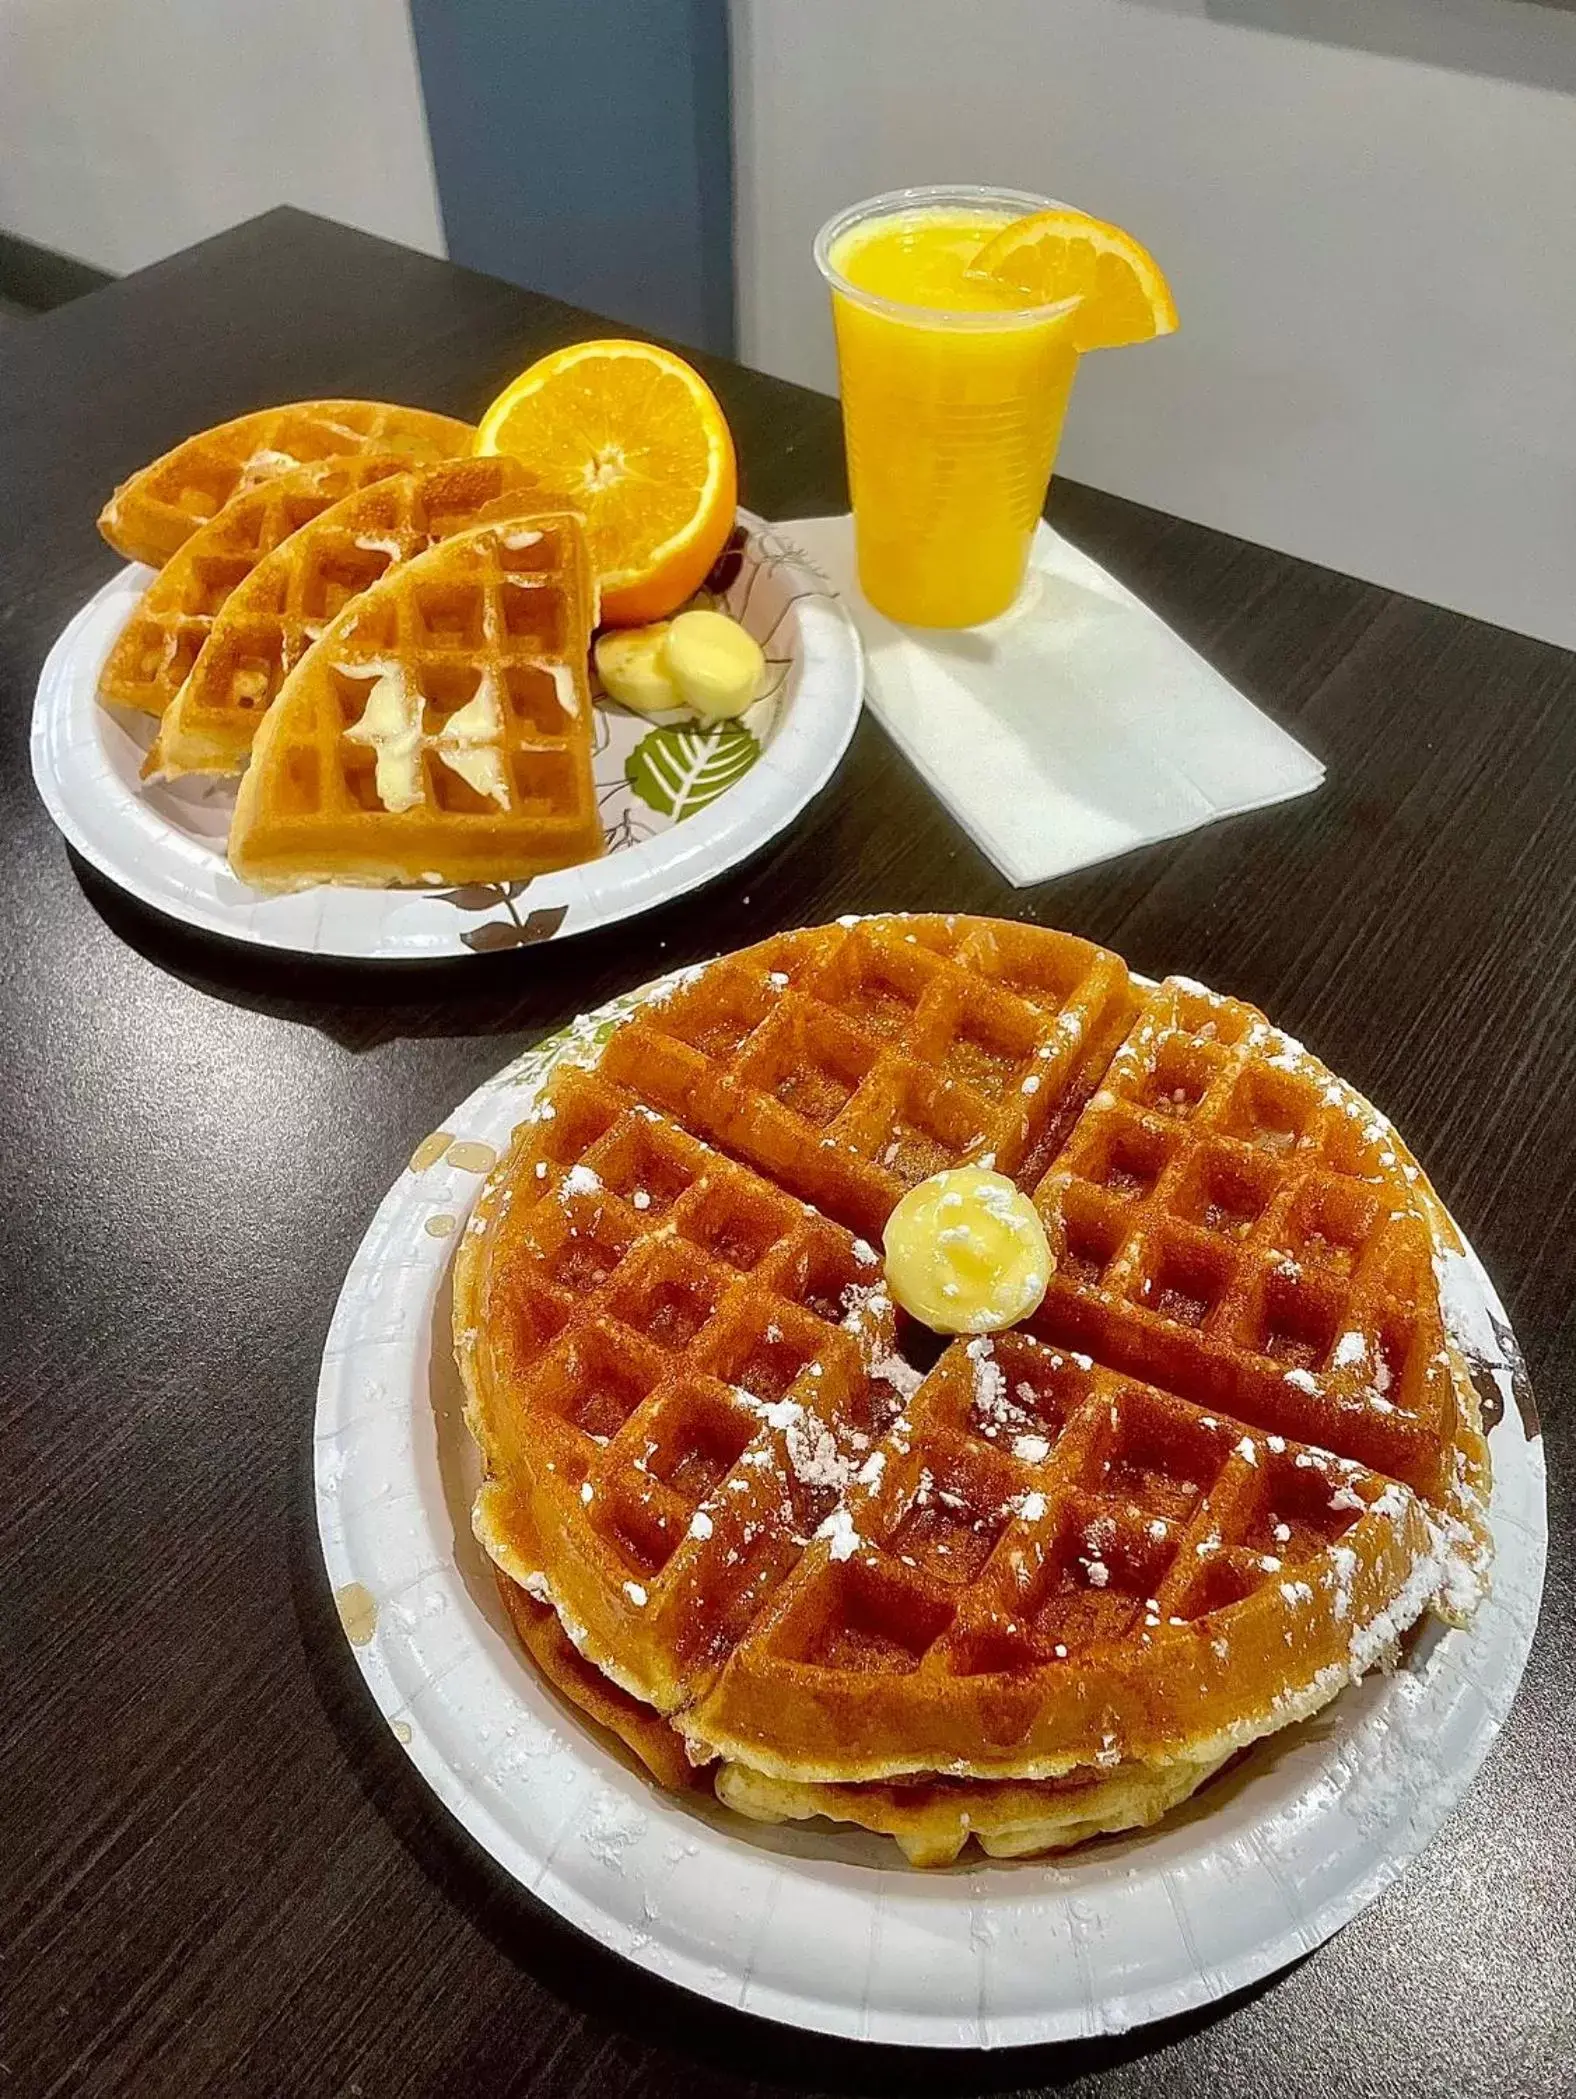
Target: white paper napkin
point(1075, 727)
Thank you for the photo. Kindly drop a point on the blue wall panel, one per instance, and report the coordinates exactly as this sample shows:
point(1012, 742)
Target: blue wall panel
point(584, 148)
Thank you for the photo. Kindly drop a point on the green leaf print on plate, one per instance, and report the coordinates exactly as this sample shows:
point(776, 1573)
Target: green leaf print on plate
point(677, 771)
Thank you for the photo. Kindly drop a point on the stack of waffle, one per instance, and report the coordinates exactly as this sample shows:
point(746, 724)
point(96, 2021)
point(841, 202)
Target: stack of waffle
point(414, 686)
point(1028, 1587)
point(161, 643)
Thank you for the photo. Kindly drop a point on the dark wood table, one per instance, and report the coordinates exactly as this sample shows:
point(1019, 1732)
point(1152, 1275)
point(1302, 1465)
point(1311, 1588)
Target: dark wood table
point(219, 1873)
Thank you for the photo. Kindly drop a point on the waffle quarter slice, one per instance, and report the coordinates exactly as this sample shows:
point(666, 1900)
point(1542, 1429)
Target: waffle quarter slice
point(161, 642)
point(274, 614)
point(439, 730)
point(154, 513)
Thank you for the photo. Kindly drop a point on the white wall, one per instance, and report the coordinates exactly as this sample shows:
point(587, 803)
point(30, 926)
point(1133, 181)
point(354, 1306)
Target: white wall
point(129, 128)
point(1374, 256)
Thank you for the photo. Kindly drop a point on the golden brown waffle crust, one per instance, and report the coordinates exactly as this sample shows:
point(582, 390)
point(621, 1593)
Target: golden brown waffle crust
point(160, 644)
point(1187, 1689)
point(385, 514)
point(153, 513)
point(641, 1729)
point(502, 606)
point(931, 1823)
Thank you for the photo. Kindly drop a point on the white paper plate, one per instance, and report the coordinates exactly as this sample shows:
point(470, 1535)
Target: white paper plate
point(823, 1929)
point(705, 800)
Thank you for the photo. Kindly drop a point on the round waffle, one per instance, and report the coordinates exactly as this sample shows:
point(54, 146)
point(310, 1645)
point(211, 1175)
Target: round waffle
point(1230, 1458)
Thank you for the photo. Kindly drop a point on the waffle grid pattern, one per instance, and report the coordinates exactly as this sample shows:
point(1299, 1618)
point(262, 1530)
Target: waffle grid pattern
point(154, 513)
point(1228, 1218)
point(851, 1064)
point(683, 1334)
point(826, 1563)
point(699, 1342)
point(162, 641)
point(500, 611)
point(1044, 1506)
point(273, 616)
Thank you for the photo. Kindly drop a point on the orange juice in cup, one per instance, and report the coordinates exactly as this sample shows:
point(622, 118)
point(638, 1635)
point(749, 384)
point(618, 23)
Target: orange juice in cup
point(960, 316)
point(953, 396)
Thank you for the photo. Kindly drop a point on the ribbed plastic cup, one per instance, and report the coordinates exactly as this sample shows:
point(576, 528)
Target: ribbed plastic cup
point(951, 421)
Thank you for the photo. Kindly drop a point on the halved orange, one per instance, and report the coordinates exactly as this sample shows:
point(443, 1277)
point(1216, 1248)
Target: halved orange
point(1065, 254)
point(634, 439)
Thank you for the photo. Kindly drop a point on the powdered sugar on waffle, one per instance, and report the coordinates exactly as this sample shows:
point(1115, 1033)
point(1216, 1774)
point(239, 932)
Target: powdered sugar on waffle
point(1009, 1415)
point(868, 1317)
point(815, 1457)
point(839, 1528)
point(990, 1386)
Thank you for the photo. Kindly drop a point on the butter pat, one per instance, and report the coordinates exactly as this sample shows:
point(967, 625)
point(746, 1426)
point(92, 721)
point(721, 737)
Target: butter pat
point(717, 667)
point(966, 1253)
point(632, 664)
point(701, 663)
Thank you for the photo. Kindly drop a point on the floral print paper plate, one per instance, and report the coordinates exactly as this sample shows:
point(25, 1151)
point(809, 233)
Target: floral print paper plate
point(681, 801)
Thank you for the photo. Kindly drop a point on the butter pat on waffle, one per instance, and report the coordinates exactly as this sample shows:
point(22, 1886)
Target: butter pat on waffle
point(161, 642)
point(273, 615)
point(1210, 1480)
point(439, 730)
point(154, 513)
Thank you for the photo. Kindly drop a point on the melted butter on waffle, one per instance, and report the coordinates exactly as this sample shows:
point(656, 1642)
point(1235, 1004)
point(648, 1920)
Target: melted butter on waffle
point(314, 540)
point(390, 727)
point(160, 645)
point(1176, 1509)
point(966, 1252)
point(469, 742)
point(440, 727)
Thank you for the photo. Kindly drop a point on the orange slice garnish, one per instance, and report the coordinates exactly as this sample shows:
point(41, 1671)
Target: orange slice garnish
point(1064, 254)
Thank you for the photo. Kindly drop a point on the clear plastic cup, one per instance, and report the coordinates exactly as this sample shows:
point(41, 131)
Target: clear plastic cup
point(951, 414)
